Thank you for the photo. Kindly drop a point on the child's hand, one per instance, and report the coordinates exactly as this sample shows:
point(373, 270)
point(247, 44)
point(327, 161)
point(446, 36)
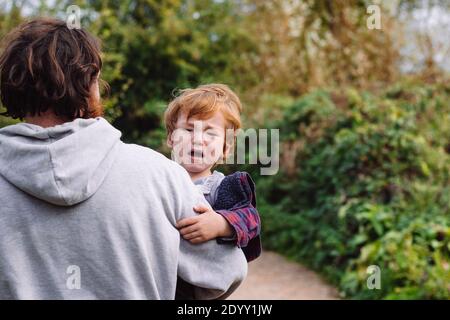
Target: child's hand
point(206, 226)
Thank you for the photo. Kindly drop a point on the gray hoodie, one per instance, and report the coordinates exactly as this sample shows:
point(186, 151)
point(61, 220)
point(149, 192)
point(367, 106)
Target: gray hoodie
point(85, 216)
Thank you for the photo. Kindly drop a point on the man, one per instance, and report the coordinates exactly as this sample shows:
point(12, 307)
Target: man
point(82, 214)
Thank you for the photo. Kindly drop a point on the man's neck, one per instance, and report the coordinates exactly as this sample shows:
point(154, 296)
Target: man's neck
point(46, 120)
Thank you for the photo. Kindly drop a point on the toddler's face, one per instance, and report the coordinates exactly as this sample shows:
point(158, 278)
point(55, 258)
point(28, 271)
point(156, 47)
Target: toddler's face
point(198, 144)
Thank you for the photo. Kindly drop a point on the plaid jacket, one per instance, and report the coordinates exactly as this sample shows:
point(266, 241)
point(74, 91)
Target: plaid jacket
point(236, 202)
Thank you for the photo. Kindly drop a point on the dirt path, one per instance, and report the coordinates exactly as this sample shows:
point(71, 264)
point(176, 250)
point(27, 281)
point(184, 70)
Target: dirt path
point(273, 277)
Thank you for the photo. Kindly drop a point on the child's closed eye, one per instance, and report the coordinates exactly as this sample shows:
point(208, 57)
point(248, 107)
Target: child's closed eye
point(212, 133)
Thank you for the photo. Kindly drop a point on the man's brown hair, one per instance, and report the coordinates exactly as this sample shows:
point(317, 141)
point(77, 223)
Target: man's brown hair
point(45, 65)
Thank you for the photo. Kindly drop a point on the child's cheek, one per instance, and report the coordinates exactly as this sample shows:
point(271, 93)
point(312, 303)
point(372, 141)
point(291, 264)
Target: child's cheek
point(215, 150)
point(181, 144)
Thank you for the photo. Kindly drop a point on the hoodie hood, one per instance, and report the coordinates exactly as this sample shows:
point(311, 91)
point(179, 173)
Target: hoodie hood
point(63, 165)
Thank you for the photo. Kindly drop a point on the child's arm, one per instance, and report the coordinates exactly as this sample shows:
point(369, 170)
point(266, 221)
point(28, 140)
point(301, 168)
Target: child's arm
point(239, 227)
point(245, 222)
point(236, 220)
point(206, 226)
point(236, 202)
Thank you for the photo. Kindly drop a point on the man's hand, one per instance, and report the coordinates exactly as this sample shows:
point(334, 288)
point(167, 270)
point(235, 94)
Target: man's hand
point(206, 226)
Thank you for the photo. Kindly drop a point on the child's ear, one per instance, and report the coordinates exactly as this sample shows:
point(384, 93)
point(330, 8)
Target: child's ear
point(169, 141)
point(227, 148)
point(230, 140)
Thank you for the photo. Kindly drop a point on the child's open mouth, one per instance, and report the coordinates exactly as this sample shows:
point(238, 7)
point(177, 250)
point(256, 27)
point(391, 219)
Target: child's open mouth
point(197, 154)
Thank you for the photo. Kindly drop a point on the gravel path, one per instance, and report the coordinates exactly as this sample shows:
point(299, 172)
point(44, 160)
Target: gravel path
point(273, 277)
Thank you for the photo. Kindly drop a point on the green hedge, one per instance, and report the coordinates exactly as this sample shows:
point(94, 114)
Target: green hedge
point(369, 185)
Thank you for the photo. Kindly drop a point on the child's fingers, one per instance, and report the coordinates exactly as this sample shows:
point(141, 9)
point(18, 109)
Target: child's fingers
point(192, 235)
point(201, 208)
point(188, 229)
point(186, 222)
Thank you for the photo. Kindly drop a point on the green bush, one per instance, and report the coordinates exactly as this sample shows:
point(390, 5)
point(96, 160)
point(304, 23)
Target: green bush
point(365, 180)
point(5, 121)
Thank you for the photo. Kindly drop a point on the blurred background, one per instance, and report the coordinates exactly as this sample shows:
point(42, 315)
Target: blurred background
point(364, 119)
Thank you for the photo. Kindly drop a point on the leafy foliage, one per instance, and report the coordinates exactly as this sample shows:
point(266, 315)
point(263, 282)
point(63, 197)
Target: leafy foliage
point(370, 186)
